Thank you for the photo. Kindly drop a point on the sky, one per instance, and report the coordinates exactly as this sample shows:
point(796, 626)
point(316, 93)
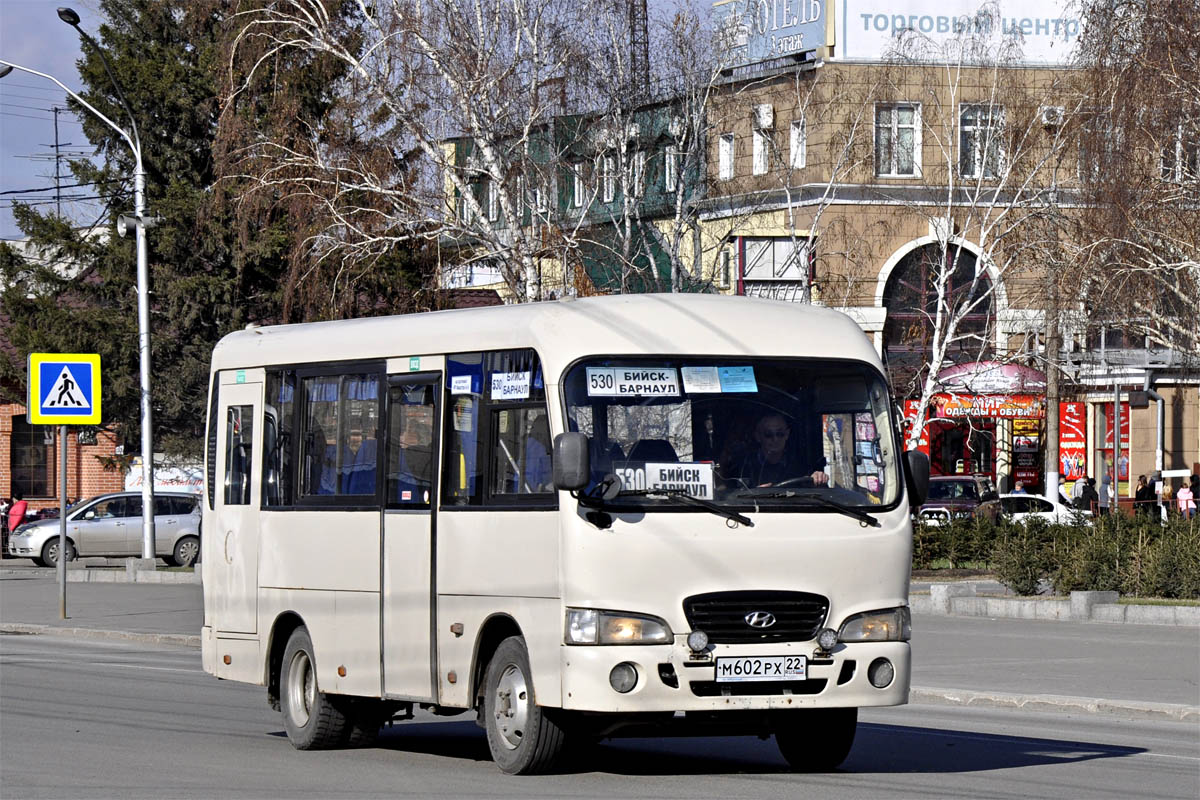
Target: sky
point(32, 35)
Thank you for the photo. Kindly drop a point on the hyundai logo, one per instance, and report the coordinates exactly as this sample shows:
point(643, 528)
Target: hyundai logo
point(760, 619)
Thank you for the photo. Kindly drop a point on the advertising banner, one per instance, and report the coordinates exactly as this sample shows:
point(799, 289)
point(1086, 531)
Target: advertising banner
point(1038, 31)
point(999, 406)
point(1122, 470)
point(1072, 440)
point(910, 416)
point(760, 30)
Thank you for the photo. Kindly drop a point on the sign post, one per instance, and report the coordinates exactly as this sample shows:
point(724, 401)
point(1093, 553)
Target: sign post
point(64, 389)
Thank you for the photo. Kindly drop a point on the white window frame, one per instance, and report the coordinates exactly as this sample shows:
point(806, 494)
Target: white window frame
point(639, 173)
point(1184, 166)
point(762, 151)
point(798, 146)
point(891, 170)
point(671, 168)
point(725, 155)
point(493, 200)
point(577, 188)
point(981, 135)
point(724, 274)
point(608, 178)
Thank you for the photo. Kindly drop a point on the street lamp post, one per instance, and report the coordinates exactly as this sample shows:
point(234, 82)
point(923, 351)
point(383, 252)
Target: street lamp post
point(143, 272)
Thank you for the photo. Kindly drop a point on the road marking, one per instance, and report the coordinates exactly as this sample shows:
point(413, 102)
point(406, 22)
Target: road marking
point(15, 660)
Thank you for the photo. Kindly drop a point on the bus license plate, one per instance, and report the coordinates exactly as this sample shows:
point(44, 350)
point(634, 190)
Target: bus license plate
point(762, 668)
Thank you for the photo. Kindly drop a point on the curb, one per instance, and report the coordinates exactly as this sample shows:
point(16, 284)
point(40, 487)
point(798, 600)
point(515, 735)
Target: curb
point(960, 600)
point(919, 695)
point(106, 575)
point(187, 640)
point(1054, 703)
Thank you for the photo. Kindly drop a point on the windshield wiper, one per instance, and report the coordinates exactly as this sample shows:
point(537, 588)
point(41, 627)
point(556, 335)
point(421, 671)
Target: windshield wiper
point(696, 501)
point(849, 511)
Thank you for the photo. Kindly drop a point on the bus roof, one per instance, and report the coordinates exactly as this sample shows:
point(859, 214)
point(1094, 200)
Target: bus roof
point(565, 330)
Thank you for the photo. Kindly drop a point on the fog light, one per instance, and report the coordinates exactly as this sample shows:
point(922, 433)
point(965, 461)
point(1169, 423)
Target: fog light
point(697, 641)
point(827, 639)
point(880, 673)
point(623, 677)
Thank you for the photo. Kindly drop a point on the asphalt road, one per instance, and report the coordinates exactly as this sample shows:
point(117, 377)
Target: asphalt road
point(99, 719)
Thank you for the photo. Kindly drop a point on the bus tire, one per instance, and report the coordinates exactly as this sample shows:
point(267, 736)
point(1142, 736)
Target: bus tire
point(523, 737)
point(817, 739)
point(310, 717)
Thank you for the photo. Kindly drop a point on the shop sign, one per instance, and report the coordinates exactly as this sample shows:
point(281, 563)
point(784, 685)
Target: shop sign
point(760, 30)
point(998, 406)
point(991, 377)
point(911, 407)
point(1036, 31)
point(1072, 440)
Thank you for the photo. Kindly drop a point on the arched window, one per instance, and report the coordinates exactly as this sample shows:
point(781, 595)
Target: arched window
point(911, 299)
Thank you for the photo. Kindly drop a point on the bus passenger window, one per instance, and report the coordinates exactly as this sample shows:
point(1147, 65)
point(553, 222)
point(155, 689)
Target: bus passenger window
point(277, 438)
point(239, 435)
point(410, 446)
point(521, 452)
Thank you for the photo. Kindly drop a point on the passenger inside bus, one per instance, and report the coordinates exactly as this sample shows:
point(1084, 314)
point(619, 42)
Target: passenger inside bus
point(358, 464)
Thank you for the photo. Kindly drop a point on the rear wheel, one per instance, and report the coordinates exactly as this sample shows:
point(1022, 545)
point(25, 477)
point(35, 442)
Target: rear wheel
point(818, 739)
point(186, 551)
point(311, 719)
point(523, 736)
point(50, 552)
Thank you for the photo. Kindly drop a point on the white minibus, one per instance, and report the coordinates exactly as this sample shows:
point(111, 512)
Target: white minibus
point(579, 519)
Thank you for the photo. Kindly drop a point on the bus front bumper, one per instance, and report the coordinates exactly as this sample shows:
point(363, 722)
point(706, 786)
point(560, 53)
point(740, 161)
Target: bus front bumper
point(671, 678)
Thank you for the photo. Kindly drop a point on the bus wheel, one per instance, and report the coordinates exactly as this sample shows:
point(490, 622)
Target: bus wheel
point(816, 740)
point(311, 719)
point(524, 740)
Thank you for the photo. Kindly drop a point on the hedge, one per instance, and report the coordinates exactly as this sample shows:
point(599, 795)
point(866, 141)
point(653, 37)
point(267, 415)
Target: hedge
point(1134, 556)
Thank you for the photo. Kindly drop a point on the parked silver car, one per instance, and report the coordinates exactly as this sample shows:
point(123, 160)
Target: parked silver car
point(111, 525)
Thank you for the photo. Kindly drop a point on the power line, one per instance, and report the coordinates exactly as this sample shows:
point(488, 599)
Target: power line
point(65, 186)
point(32, 86)
point(4, 94)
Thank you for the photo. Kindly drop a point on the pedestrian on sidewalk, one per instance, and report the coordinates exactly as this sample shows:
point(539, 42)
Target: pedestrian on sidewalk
point(1187, 501)
point(16, 512)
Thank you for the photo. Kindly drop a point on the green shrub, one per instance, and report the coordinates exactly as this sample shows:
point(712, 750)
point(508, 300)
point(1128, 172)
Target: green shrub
point(1020, 556)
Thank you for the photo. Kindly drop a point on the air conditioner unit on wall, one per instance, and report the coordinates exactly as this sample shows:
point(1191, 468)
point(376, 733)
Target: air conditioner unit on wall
point(764, 116)
point(1051, 116)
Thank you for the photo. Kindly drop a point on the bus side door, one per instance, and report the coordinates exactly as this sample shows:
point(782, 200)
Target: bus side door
point(409, 536)
point(234, 571)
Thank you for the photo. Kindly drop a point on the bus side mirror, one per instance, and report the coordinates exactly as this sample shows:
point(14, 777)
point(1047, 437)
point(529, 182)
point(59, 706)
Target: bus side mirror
point(916, 476)
point(571, 468)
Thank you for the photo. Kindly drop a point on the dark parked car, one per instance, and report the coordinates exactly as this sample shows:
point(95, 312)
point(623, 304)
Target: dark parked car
point(955, 496)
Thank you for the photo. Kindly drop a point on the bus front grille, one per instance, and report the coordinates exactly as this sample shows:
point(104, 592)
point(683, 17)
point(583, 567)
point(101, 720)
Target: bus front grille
point(756, 617)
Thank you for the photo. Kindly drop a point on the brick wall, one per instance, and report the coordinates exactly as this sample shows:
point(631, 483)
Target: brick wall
point(85, 475)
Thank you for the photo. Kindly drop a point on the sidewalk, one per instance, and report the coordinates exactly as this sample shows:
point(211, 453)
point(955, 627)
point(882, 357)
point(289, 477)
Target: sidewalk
point(1144, 671)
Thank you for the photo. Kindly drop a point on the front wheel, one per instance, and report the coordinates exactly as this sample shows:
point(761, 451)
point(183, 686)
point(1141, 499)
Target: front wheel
point(818, 739)
point(311, 719)
point(523, 738)
point(50, 552)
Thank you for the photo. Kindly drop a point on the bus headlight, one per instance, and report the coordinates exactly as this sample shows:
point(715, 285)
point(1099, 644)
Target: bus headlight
point(886, 625)
point(589, 626)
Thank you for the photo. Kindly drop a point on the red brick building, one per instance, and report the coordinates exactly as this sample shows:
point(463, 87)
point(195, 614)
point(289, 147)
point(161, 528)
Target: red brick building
point(29, 460)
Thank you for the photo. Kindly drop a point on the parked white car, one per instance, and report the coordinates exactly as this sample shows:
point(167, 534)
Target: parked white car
point(111, 525)
point(1023, 507)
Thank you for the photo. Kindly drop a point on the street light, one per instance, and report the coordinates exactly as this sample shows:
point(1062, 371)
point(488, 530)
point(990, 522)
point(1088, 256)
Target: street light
point(69, 16)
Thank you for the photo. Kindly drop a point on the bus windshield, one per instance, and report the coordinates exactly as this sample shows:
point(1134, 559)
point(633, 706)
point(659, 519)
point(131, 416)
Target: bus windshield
point(782, 433)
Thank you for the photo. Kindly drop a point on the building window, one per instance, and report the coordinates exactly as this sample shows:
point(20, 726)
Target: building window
point(577, 189)
point(1181, 156)
point(608, 178)
point(799, 144)
point(493, 201)
point(778, 267)
point(671, 168)
point(1100, 145)
point(980, 150)
point(724, 267)
point(725, 157)
point(762, 155)
point(898, 140)
point(639, 173)
point(32, 458)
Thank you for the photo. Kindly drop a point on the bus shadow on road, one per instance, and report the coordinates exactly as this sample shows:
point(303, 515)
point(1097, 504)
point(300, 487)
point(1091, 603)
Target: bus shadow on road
point(877, 749)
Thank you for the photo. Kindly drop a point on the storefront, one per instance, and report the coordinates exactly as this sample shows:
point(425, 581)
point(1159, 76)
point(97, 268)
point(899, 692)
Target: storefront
point(988, 419)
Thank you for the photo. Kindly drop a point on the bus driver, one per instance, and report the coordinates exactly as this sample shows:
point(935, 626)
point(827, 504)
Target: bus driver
point(771, 464)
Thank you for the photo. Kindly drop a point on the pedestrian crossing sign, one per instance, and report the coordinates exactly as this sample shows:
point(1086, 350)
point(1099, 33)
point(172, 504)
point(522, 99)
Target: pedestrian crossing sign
point(64, 389)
